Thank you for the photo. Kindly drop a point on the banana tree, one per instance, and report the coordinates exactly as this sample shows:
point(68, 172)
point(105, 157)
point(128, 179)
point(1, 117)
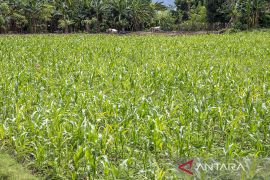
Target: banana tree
point(88, 23)
point(4, 15)
point(250, 11)
point(32, 9)
point(63, 10)
point(17, 19)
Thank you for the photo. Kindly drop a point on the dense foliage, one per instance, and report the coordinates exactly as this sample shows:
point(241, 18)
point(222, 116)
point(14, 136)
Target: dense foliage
point(76, 15)
point(127, 107)
point(239, 14)
point(34, 16)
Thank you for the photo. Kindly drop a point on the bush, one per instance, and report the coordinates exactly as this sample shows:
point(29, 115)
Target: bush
point(265, 20)
point(165, 20)
point(197, 20)
point(240, 26)
point(192, 26)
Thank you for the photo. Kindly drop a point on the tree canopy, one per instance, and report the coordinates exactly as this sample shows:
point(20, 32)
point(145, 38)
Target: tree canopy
point(32, 16)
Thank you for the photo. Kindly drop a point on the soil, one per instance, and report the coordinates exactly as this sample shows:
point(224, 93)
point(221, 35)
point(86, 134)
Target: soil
point(176, 33)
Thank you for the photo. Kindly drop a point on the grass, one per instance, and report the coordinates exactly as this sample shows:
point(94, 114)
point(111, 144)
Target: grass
point(10, 169)
point(98, 106)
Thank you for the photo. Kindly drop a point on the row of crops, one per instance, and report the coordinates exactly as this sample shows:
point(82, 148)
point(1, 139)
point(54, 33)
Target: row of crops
point(99, 106)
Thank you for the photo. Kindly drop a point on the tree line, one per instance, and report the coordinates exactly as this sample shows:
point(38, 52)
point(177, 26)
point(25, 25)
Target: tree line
point(43, 16)
point(238, 14)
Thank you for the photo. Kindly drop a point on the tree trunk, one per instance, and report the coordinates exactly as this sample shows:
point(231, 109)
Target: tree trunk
point(30, 27)
point(87, 27)
point(35, 27)
point(66, 29)
point(98, 23)
point(256, 21)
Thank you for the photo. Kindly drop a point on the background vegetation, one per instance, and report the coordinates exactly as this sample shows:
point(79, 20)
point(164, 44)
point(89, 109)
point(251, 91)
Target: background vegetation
point(32, 16)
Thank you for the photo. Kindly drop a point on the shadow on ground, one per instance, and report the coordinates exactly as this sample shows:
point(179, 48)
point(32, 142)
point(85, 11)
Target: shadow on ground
point(11, 170)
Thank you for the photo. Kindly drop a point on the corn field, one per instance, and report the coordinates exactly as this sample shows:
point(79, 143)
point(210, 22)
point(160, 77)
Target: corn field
point(127, 107)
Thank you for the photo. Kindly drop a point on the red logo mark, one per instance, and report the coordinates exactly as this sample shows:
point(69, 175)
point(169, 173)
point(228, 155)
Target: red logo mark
point(181, 167)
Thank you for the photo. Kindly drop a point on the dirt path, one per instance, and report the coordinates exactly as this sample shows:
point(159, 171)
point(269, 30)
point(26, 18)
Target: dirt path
point(177, 33)
point(11, 170)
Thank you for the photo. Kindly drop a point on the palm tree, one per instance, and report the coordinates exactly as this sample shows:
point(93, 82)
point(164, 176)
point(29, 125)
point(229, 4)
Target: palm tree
point(46, 14)
point(250, 11)
point(257, 6)
point(120, 9)
point(99, 7)
point(140, 12)
point(32, 10)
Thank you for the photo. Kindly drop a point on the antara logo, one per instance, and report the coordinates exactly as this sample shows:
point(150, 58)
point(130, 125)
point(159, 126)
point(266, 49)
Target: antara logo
point(182, 167)
point(206, 167)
